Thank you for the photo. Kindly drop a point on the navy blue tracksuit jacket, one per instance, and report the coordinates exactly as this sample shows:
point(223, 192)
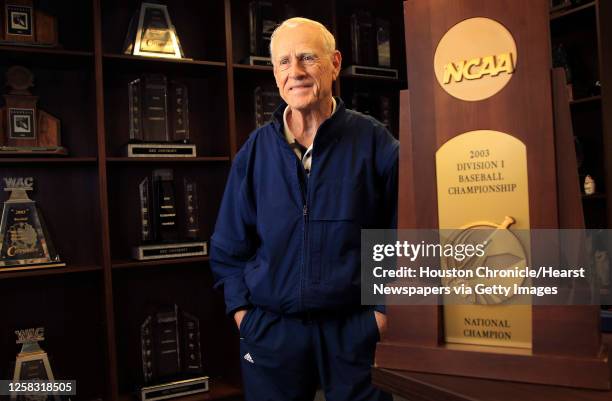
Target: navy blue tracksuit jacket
point(289, 243)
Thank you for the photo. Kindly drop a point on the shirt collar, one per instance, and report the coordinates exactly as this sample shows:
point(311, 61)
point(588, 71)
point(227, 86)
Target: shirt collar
point(288, 134)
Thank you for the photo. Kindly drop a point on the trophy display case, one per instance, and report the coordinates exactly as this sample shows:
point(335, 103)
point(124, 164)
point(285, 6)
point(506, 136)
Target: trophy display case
point(90, 198)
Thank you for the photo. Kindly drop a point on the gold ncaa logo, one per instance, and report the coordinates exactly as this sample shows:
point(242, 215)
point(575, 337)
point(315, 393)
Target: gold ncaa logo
point(475, 59)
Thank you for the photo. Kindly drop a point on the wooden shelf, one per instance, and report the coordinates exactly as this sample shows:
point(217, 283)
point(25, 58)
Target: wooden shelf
point(204, 159)
point(45, 160)
point(589, 99)
point(6, 274)
point(247, 67)
point(153, 60)
point(594, 196)
point(371, 78)
point(135, 264)
point(46, 51)
point(44, 56)
point(571, 11)
point(219, 390)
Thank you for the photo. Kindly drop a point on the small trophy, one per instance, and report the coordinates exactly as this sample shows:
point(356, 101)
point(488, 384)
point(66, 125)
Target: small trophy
point(32, 362)
point(589, 185)
point(24, 240)
point(152, 34)
point(159, 220)
point(22, 24)
point(266, 101)
point(159, 118)
point(171, 354)
point(25, 129)
point(370, 47)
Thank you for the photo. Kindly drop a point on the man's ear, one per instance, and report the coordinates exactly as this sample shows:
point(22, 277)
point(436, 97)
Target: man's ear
point(337, 63)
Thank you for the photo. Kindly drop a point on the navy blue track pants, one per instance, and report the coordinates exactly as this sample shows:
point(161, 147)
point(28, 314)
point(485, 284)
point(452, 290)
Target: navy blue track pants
point(285, 358)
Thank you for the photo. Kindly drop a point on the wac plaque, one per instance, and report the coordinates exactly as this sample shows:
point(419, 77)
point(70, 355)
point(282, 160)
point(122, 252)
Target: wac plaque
point(32, 362)
point(25, 129)
point(24, 240)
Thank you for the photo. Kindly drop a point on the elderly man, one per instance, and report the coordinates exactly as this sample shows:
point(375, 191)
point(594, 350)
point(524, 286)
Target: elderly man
point(286, 246)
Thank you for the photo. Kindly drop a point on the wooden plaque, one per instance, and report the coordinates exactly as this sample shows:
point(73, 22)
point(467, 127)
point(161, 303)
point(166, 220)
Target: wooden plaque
point(473, 66)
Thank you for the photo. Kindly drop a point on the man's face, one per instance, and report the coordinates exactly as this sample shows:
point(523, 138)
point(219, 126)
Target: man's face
point(303, 70)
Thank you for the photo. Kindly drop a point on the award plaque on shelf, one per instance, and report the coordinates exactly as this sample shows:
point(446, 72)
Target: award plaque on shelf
point(32, 362)
point(24, 240)
point(163, 234)
point(159, 118)
point(370, 47)
point(262, 22)
point(25, 129)
point(266, 101)
point(171, 355)
point(24, 24)
point(152, 34)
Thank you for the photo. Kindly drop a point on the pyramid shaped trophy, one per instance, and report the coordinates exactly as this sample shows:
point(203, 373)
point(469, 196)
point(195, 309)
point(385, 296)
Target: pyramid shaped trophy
point(24, 240)
point(32, 362)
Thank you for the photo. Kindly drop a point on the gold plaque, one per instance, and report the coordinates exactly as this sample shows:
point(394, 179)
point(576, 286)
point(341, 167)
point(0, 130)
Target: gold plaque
point(475, 59)
point(482, 184)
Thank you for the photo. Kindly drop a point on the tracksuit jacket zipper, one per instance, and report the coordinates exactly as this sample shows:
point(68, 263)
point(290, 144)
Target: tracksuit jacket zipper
point(305, 190)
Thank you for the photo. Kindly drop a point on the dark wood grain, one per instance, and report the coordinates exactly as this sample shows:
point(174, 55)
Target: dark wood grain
point(111, 348)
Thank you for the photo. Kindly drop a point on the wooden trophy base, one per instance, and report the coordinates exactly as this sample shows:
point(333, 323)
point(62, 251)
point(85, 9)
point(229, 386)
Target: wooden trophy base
point(33, 151)
point(170, 251)
point(505, 364)
point(12, 268)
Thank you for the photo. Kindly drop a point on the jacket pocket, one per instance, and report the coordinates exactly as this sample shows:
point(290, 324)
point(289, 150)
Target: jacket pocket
point(244, 322)
point(335, 230)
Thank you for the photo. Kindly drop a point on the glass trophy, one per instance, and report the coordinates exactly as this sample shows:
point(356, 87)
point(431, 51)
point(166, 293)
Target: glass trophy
point(192, 217)
point(159, 118)
point(370, 47)
point(152, 34)
point(24, 128)
point(167, 232)
point(32, 362)
point(171, 354)
point(262, 22)
point(24, 239)
point(266, 101)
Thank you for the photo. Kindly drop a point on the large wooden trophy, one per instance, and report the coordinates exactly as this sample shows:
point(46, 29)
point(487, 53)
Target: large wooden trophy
point(481, 98)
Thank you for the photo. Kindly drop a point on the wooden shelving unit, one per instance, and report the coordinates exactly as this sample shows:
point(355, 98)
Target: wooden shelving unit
point(585, 33)
point(573, 10)
point(585, 36)
point(93, 307)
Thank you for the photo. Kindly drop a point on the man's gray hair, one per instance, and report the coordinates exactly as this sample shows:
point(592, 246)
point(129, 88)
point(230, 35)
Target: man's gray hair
point(328, 39)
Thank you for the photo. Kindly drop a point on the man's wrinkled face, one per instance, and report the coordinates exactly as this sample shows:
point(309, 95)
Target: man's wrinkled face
point(303, 70)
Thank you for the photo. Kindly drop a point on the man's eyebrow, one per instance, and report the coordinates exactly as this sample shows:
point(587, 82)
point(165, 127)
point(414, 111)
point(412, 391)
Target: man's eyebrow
point(300, 54)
